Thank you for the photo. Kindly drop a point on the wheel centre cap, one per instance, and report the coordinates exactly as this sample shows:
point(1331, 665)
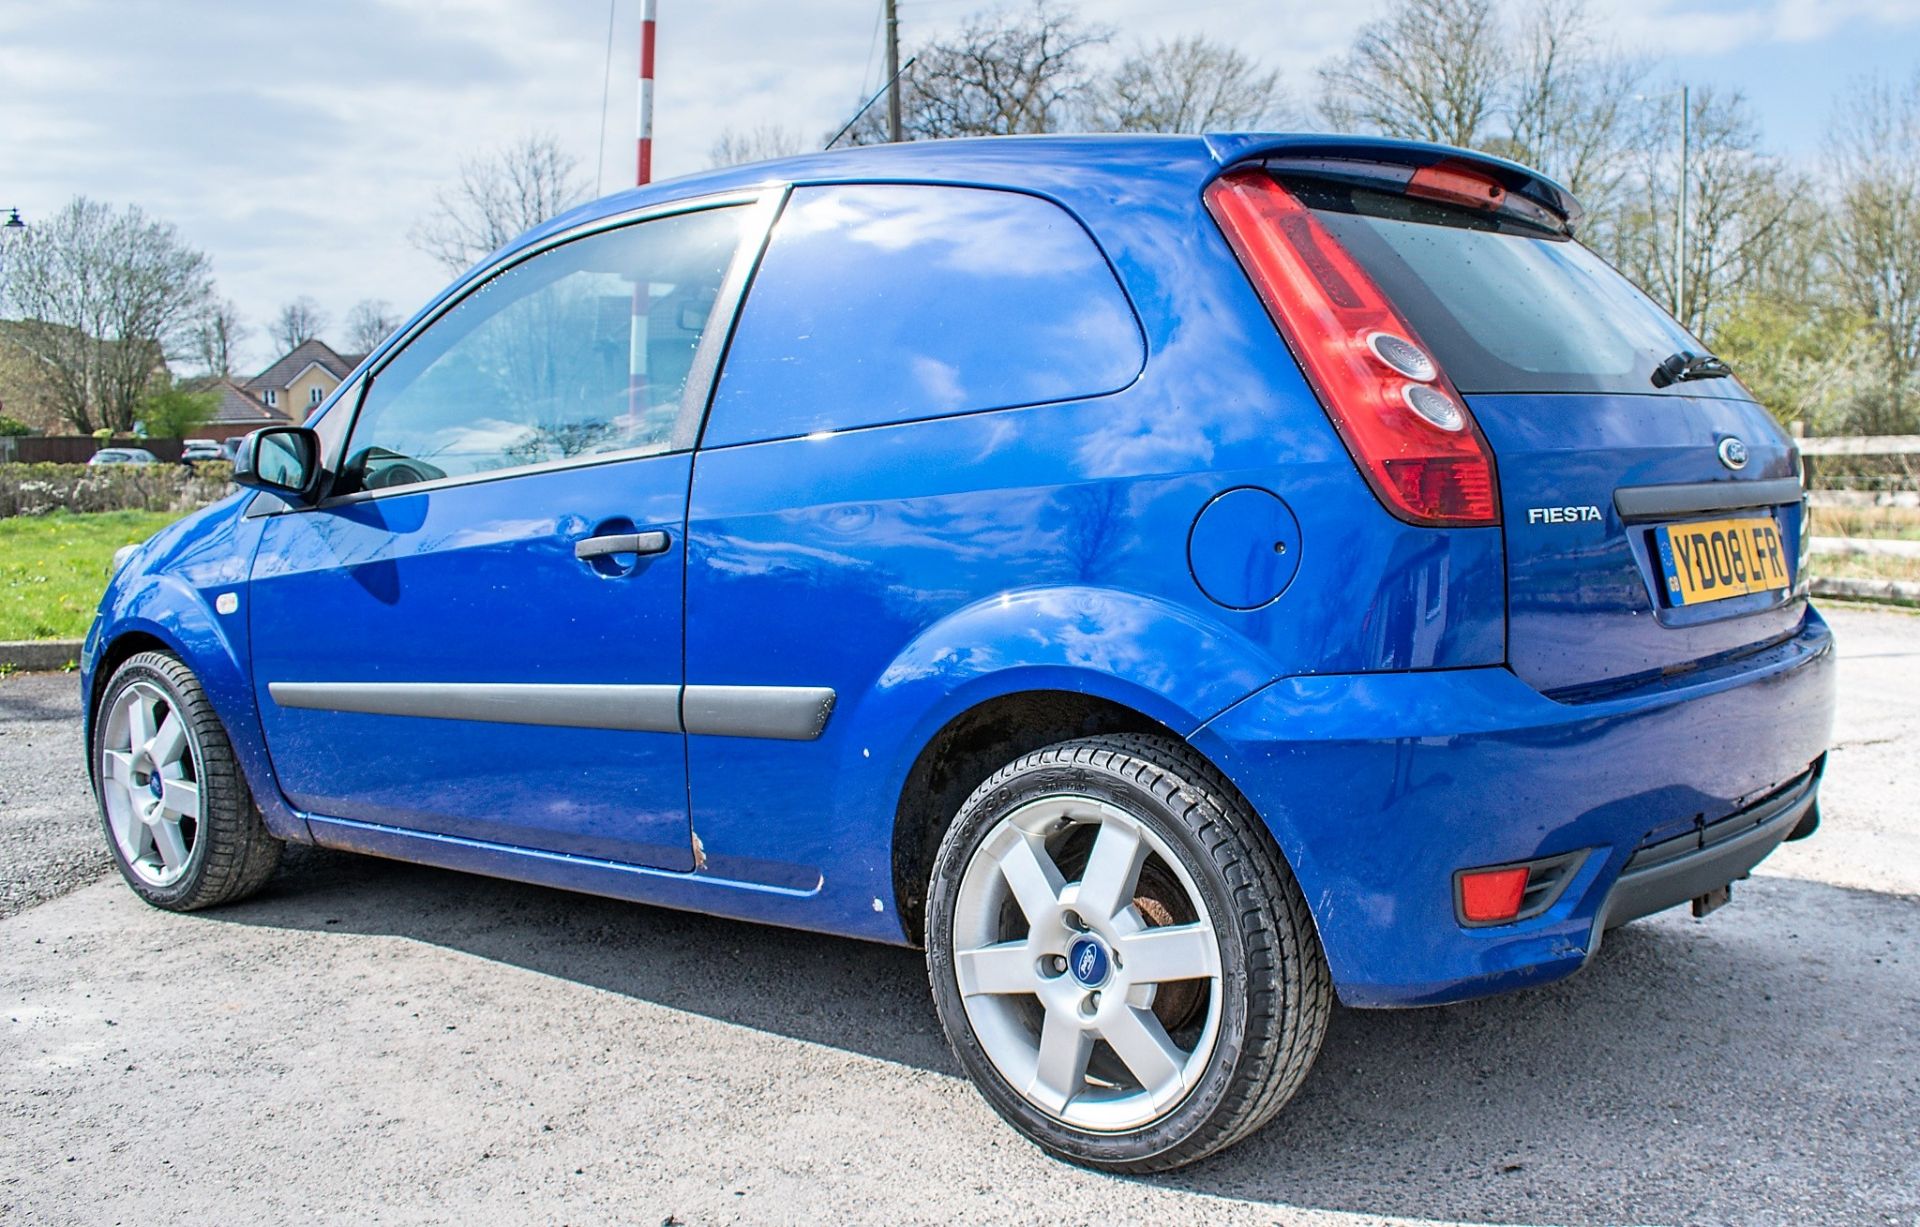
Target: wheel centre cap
point(1088, 961)
point(155, 785)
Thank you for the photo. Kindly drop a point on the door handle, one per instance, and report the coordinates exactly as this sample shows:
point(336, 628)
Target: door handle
point(655, 542)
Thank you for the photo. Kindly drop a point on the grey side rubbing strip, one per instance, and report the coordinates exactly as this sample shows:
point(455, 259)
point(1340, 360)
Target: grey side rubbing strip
point(1654, 502)
point(641, 709)
point(783, 713)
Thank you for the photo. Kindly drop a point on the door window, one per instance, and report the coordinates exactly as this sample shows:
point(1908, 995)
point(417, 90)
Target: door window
point(583, 350)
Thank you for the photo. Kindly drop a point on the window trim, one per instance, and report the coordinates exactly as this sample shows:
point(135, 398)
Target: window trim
point(762, 206)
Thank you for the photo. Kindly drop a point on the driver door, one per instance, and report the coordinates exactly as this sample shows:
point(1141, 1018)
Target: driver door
point(478, 633)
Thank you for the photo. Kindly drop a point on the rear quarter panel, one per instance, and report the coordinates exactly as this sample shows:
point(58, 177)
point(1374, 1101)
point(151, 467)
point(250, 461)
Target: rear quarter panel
point(920, 568)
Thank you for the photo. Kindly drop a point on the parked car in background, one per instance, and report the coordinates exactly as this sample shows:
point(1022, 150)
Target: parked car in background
point(194, 450)
point(1178, 581)
point(229, 448)
point(123, 455)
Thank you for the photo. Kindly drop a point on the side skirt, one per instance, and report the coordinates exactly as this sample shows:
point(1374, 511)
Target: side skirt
point(812, 909)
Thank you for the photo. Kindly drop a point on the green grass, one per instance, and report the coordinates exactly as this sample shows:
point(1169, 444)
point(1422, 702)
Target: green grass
point(53, 567)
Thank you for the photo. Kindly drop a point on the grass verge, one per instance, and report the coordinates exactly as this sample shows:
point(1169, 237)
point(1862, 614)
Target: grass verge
point(1865, 566)
point(53, 567)
point(1899, 523)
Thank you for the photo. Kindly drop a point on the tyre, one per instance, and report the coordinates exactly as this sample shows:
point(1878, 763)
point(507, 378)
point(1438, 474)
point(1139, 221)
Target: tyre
point(1120, 957)
point(178, 817)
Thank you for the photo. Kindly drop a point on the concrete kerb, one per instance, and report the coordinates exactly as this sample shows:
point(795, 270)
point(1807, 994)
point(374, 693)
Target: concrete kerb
point(39, 655)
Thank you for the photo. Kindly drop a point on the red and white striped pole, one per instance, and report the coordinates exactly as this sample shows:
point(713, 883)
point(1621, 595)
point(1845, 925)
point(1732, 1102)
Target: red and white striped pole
point(645, 107)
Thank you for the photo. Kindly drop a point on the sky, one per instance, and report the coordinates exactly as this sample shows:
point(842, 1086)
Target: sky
point(297, 143)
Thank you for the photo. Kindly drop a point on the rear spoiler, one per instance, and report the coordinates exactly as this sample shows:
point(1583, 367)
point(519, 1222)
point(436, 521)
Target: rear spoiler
point(1371, 158)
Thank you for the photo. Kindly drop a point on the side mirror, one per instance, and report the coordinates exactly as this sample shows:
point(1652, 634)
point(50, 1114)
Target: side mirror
point(283, 460)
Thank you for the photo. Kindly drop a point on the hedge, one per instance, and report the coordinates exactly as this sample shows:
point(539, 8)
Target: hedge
point(35, 489)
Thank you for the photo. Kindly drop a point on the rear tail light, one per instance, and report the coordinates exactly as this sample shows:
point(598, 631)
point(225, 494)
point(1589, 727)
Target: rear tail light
point(1400, 418)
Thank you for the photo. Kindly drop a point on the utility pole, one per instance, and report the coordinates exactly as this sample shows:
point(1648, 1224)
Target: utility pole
point(644, 106)
point(893, 72)
point(1680, 215)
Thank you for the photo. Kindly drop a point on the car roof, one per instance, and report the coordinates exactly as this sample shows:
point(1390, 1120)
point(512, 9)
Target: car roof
point(1047, 164)
point(1107, 167)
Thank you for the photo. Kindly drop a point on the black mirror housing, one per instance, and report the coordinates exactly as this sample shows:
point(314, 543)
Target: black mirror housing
point(283, 460)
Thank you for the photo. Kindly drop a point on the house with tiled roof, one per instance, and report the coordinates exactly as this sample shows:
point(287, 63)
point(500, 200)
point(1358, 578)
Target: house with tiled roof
point(296, 384)
point(237, 412)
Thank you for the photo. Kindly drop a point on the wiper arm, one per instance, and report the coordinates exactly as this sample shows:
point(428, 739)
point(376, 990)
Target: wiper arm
point(1684, 366)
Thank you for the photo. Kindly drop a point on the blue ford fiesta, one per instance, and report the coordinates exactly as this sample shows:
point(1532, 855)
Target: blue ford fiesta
point(1177, 581)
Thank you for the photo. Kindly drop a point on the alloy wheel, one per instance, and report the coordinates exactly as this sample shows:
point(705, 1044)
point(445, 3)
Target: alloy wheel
point(1087, 963)
point(149, 783)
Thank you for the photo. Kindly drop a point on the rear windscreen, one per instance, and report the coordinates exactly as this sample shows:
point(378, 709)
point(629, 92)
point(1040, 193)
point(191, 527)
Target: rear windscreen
point(1504, 307)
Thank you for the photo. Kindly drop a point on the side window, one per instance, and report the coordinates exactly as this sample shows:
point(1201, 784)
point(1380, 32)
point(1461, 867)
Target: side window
point(582, 350)
point(889, 302)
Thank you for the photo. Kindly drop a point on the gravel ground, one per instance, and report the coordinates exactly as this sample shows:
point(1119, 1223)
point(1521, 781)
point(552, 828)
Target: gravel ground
point(376, 1042)
point(47, 825)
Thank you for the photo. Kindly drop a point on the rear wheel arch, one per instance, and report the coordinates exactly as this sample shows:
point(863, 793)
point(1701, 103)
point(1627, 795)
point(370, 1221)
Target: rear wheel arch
point(973, 745)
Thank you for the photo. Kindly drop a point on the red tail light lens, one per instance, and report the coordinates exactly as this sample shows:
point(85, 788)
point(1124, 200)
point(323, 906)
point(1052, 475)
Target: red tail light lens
point(1404, 424)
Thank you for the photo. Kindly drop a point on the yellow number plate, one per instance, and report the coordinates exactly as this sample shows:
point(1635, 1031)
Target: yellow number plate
point(1717, 559)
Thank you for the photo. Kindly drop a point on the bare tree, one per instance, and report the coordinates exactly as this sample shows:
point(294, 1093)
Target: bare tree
point(1744, 209)
point(103, 298)
point(1572, 103)
point(219, 333)
point(1431, 70)
point(1003, 73)
point(1186, 85)
point(736, 147)
point(1874, 233)
point(299, 321)
point(499, 197)
point(370, 322)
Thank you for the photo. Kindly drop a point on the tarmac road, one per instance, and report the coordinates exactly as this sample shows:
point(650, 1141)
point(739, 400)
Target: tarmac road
point(375, 1042)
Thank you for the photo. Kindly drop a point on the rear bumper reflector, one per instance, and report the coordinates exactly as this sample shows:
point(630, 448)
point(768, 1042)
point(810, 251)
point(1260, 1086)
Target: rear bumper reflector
point(1503, 894)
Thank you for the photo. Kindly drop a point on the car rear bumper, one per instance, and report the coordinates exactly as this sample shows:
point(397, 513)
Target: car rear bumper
point(1673, 871)
point(1379, 787)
